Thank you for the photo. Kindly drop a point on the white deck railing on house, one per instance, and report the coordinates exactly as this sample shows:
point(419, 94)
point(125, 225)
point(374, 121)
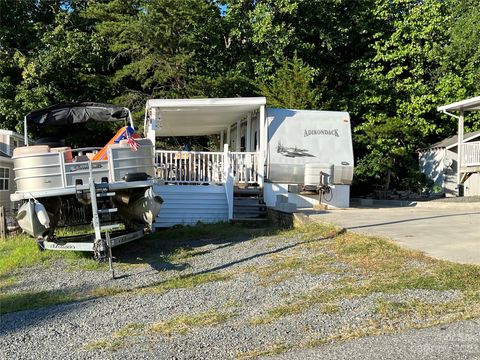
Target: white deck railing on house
point(190, 167)
point(471, 154)
point(198, 167)
point(245, 167)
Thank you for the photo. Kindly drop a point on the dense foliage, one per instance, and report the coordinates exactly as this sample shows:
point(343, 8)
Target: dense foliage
point(390, 63)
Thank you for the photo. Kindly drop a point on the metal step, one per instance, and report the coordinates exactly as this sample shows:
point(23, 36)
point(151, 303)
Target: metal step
point(105, 194)
point(104, 186)
point(107, 211)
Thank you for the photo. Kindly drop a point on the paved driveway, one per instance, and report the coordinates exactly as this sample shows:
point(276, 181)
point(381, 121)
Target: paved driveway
point(450, 234)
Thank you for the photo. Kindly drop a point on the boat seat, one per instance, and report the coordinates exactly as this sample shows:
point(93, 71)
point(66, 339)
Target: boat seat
point(31, 150)
point(81, 158)
point(67, 152)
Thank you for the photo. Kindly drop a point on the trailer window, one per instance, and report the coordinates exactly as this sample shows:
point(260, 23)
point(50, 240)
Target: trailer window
point(4, 178)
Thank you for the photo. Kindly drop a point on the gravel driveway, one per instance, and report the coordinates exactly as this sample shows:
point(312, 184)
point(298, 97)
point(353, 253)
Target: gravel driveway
point(215, 319)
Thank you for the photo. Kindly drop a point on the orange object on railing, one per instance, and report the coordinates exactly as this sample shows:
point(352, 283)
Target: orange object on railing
point(102, 154)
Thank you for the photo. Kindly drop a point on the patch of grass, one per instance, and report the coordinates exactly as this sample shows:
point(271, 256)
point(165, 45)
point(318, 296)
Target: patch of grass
point(311, 231)
point(330, 308)
point(285, 267)
point(183, 324)
point(132, 329)
point(118, 338)
point(415, 309)
point(12, 302)
point(232, 304)
point(6, 282)
point(106, 344)
point(278, 312)
point(273, 349)
point(21, 251)
point(74, 230)
point(183, 253)
point(348, 332)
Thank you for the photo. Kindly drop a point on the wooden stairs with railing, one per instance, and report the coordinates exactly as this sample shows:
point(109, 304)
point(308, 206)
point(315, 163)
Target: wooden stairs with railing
point(248, 204)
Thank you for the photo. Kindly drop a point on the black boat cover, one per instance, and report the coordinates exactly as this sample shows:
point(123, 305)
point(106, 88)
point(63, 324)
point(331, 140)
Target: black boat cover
point(76, 113)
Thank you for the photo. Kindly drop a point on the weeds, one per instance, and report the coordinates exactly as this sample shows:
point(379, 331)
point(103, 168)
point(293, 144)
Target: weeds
point(183, 324)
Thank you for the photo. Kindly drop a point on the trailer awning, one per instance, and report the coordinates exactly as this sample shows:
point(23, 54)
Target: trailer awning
point(472, 104)
point(196, 117)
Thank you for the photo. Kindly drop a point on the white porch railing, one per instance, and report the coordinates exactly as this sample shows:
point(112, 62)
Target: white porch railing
point(190, 167)
point(245, 167)
point(471, 154)
point(195, 167)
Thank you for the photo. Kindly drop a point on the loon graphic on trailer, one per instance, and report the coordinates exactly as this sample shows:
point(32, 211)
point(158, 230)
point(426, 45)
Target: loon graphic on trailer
point(292, 151)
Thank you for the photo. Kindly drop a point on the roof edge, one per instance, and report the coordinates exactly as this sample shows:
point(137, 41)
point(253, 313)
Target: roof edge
point(466, 105)
point(206, 102)
point(464, 140)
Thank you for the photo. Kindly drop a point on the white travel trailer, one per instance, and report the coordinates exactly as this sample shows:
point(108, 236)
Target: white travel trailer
point(266, 158)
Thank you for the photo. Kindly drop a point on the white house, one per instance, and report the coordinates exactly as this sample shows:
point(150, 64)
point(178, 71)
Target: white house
point(465, 164)
point(439, 163)
point(261, 161)
point(9, 140)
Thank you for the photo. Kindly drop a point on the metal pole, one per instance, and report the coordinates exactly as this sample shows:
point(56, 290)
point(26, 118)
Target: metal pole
point(110, 260)
point(459, 155)
point(25, 133)
point(237, 140)
point(93, 199)
point(263, 140)
point(248, 136)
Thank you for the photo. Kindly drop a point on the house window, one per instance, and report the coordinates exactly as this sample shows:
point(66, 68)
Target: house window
point(4, 179)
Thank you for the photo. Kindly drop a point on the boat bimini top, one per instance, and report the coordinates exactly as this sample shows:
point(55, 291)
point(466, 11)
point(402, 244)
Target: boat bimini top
point(76, 113)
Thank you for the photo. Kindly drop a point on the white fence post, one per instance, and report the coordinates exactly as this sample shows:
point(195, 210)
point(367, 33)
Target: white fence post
point(228, 173)
point(263, 123)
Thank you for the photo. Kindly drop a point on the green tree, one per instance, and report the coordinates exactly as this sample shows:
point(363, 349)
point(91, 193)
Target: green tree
point(398, 88)
point(49, 55)
point(159, 48)
point(460, 75)
point(21, 25)
point(291, 86)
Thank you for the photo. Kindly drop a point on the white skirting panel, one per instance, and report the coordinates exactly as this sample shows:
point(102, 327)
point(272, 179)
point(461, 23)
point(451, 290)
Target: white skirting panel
point(189, 204)
point(338, 198)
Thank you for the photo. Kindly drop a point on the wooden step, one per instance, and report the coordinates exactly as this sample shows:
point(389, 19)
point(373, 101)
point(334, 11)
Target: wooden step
point(247, 192)
point(249, 221)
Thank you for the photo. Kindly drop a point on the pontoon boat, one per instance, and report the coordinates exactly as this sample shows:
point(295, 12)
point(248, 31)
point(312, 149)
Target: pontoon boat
point(117, 178)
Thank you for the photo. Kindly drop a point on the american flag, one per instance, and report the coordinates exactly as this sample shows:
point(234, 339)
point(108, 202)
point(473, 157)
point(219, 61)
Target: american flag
point(133, 144)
